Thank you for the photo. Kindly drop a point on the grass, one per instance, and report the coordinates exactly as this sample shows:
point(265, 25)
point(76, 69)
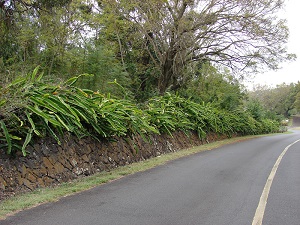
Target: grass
point(40, 196)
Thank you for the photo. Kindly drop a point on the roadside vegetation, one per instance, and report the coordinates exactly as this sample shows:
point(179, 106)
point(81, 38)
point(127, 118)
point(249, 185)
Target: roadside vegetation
point(282, 100)
point(32, 108)
point(115, 68)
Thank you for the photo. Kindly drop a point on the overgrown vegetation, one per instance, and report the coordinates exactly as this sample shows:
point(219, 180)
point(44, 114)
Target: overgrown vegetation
point(31, 107)
point(150, 47)
point(168, 65)
point(279, 102)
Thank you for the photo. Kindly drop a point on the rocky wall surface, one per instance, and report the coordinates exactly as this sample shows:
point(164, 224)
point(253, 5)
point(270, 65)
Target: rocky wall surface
point(49, 164)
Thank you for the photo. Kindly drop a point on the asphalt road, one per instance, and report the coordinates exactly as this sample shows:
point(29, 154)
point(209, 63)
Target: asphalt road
point(218, 187)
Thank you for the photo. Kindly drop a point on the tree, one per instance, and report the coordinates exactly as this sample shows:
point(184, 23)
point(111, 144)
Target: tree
point(256, 109)
point(108, 74)
point(297, 102)
point(17, 39)
point(51, 34)
point(279, 100)
point(234, 33)
point(207, 84)
point(297, 98)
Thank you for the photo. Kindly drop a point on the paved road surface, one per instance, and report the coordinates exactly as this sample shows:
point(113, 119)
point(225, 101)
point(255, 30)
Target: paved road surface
point(218, 187)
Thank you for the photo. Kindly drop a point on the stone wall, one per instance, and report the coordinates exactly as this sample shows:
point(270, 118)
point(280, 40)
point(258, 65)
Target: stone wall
point(48, 163)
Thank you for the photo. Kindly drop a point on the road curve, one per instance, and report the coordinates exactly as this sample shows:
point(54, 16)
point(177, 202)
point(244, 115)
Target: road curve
point(218, 187)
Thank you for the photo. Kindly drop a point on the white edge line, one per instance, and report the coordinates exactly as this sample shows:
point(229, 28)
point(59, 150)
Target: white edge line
point(259, 214)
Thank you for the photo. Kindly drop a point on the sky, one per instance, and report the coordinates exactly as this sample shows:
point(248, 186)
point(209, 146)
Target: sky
point(289, 72)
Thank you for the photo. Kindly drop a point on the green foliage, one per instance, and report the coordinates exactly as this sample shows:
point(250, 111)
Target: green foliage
point(32, 108)
point(171, 112)
point(297, 102)
point(256, 110)
point(168, 114)
point(297, 99)
point(176, 34)
point(276, 101)
point(269, 126)
point(207, 84)
point(55, 109)
point(101, 62)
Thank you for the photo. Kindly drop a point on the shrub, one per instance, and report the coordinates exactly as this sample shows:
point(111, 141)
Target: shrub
point(30, 107)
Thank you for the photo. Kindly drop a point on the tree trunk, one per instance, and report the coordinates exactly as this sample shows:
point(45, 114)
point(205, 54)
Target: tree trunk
point(166, 78)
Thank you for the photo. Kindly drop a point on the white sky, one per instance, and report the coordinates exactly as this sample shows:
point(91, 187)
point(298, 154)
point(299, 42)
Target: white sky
point(289, 72)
